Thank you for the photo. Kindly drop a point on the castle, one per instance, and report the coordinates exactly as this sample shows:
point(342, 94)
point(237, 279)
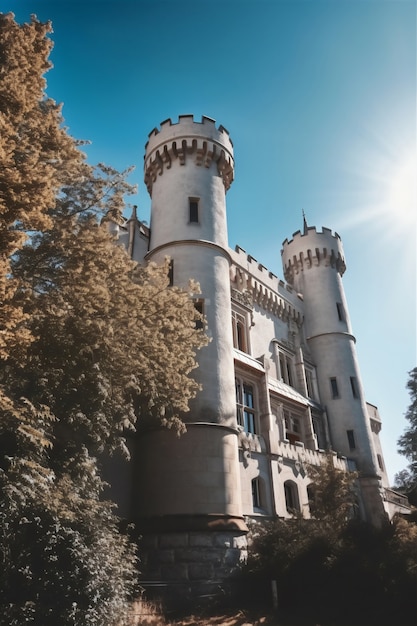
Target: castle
point(280, 377)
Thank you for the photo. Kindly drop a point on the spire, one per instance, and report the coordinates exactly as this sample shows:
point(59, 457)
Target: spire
point(134, 215)
point(305, 225)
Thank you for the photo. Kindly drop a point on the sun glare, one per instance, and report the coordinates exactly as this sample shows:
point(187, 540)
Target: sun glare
point(383, 179)
point(402, 192)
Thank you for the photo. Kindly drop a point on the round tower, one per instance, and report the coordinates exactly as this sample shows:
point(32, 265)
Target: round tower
point(314, 263)
point(189, 504)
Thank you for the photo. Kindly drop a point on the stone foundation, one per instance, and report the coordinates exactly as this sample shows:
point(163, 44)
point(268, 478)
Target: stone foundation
point(190, 567)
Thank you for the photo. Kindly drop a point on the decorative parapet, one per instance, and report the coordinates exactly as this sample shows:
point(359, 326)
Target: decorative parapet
point(247, 289)
point(396, 498)
point(202, 142)
point(311, 249)
point(298, 453)
point(250, 442)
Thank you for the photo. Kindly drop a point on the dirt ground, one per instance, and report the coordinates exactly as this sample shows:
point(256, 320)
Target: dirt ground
point(148, 614)
point(239, 618)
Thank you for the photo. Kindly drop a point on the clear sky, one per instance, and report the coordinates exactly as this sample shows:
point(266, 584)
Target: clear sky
point(319, 97)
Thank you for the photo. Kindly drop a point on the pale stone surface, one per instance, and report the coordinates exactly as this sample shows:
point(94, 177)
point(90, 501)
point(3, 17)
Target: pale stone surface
point(287, 340)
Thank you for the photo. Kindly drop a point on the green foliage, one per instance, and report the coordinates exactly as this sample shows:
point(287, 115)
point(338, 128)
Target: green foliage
point(333, 497)
point(107, 331)
point(406, 480)
point(337, 572)
point(63, 558)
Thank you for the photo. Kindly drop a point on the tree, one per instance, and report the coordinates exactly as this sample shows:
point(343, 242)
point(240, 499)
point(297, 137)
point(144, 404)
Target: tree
point(107, 335)
point(407, 444)
point(332, 493)
point(88, 346)
point(333, 557)
point(36, 156)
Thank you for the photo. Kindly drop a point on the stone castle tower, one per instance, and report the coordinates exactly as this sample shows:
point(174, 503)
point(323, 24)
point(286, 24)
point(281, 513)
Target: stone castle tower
point(193, 495)
point(281, 386)
point(314, 264)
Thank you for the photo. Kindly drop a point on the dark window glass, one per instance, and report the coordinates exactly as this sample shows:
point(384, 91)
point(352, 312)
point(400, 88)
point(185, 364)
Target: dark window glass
point(340, 312)
point(194, 211)
point(256, 495)
point(171, 273)
point(334, 387)
point(351, 439)
point(199, 306)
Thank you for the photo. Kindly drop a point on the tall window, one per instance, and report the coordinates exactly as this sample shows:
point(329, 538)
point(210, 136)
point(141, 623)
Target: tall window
point(354, 386)
point(245, 407)
point(285, 366)
point(292, 427)
point(193, 210)
point(351, 439)
point(334, 388)
point(171, 273)
point(311, 389)
point(240, 331)
point(256, 493)
point(199, 307)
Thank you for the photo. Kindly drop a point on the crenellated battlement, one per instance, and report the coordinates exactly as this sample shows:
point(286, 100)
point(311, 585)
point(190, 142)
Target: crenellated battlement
point(312, 248)
point(253, 282)
point(325, 232)
point(202, 142)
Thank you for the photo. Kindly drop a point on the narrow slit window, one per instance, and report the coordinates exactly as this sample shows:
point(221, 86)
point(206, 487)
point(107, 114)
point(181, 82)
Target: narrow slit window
point(193, 211)
point(171, 273)
point(351, 439)
point(354, 386)
point(334, 388)
point(199, 307)
point(340, 311)
point(256, 494)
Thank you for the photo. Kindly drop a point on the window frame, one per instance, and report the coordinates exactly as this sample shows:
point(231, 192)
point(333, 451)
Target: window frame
point(256, 490)
point(294, 426)
point(193, 210)
point(286, 367)
point(240, 330)
point(247, 411)
point(350, 433)
point(199, 306)
point(292, 497)
point(334, 388)
point(354, 386)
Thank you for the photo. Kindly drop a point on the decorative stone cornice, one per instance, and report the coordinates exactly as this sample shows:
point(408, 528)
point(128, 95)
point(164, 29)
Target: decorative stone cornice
point(256, 292)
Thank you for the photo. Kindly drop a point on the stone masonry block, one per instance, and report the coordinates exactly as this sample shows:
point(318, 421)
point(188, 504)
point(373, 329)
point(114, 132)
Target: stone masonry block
point(173, 540)
point(196, 555)
point(203, 540)
point(200, 571)
point(174, 571)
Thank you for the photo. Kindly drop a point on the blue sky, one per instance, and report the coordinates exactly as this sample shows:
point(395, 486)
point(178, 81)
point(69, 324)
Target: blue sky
point(319, 98)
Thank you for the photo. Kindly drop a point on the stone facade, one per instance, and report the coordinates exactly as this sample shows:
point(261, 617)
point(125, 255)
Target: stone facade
point(281, 381)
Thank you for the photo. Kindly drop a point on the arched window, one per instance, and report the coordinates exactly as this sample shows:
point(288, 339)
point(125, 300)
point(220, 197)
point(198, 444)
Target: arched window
point(292, 500)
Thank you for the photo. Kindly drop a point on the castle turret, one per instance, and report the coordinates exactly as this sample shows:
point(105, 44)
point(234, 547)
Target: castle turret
point(191, 497)
point(314, 264)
